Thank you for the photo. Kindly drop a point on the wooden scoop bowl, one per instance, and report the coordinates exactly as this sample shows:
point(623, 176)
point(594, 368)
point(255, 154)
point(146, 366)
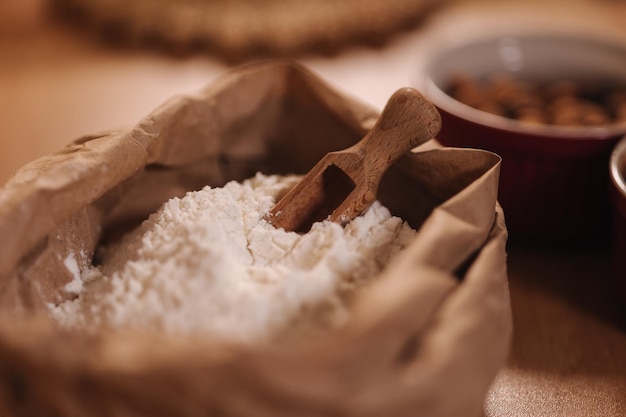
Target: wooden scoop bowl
point(343, 184)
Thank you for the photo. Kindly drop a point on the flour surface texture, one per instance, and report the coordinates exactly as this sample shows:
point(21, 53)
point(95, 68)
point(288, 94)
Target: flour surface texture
point(209, 264)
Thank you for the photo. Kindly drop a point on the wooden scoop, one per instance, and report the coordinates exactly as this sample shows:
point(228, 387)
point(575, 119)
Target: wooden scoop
point(343, 184)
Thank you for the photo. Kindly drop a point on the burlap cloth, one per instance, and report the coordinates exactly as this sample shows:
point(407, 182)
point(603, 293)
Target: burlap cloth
point(239, 29)
point(426, 338)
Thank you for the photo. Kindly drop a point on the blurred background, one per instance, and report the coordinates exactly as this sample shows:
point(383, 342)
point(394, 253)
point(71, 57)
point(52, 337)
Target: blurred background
point(75, 67)
point(70, 68)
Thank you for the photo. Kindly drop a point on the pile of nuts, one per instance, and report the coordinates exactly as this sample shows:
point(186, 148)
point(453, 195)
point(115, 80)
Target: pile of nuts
point(565, 103)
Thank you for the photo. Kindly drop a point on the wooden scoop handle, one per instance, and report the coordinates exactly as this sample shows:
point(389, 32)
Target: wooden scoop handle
point(344, 183)
point(407, 121)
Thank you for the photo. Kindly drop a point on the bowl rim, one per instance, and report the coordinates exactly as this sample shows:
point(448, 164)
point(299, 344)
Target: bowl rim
point(618, 167)
point(447, 103)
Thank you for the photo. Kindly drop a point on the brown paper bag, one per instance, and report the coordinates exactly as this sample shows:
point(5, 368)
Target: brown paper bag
point(426, 338)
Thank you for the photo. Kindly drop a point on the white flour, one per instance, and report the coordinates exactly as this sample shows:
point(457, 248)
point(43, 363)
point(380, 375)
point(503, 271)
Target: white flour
point(209, 264)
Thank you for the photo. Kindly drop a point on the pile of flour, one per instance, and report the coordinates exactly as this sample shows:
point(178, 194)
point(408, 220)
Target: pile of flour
point(209, 264)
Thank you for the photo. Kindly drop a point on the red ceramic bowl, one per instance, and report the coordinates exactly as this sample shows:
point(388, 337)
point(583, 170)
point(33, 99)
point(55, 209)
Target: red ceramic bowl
point(618, 194)
point(554, 179)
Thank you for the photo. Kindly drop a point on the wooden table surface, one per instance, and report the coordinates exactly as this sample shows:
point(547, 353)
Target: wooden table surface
point(569, 349)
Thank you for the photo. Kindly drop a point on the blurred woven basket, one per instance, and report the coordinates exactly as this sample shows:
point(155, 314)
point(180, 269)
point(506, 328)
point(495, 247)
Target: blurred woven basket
point(426, 338)
point(240, 29)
